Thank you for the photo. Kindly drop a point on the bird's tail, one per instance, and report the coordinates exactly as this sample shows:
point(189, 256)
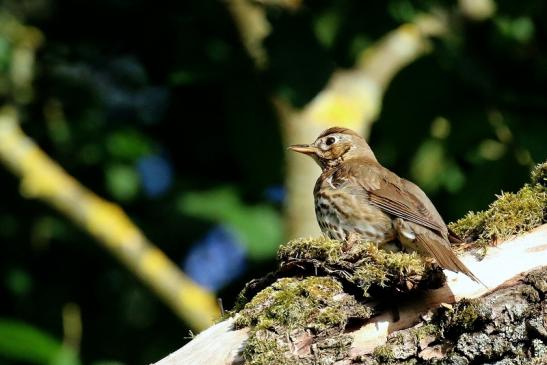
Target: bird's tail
point(444, 256)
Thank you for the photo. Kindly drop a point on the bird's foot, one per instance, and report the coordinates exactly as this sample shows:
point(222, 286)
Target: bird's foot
point(351, 240)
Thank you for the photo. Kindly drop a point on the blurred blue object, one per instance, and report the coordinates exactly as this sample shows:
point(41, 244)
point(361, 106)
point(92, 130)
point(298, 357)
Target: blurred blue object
point(216, 260)
point(156, 174)
point(275, 193)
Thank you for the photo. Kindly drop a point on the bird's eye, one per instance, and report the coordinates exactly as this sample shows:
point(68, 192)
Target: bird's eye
point(330, 141)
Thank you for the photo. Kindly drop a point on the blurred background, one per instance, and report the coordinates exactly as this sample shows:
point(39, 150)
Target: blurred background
point(180, 113)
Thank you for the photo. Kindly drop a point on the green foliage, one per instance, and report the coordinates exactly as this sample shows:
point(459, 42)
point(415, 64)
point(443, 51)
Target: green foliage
point(22, 342)
point(128, 145)
point(122, 182)
point(259, 225)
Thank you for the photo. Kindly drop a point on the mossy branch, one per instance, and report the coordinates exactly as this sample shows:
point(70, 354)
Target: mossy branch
point(329, 303)
point(41, 178)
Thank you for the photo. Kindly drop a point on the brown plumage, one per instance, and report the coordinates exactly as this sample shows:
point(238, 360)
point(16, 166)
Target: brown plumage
point(357, 198)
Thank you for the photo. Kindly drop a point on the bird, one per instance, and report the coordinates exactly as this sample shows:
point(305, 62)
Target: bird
point(358, 199)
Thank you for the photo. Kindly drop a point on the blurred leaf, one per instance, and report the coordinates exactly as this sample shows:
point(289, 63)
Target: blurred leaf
point(66, 356)
point(18, 281)
point(259, 225)
point(427, 165)
point(453, 178)
point(440, 128)
point(402, 10)
point(326, 27)
point(214, 205)
point(520, 29)
point(122, 182)
point(128, 145)
point(431, 168)
point(22, 342)
point(490, 149)
point(5, 54)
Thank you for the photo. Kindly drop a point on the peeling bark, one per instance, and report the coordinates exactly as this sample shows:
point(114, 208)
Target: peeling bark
point(505, 327)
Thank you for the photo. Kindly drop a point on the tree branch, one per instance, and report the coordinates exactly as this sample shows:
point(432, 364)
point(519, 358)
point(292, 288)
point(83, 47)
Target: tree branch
point(43, 179)
point(504, 265)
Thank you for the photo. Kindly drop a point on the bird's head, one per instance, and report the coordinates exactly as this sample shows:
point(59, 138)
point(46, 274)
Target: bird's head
point(334, 146)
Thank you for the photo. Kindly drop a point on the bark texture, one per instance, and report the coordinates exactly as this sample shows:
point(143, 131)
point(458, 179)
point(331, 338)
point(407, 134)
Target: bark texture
point(506, 327)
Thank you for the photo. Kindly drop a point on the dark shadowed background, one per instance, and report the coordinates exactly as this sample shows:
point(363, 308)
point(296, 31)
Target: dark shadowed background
point(157, 106)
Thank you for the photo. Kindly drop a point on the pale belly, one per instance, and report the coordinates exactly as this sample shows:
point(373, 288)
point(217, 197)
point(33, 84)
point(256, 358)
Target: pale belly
point(349, 217)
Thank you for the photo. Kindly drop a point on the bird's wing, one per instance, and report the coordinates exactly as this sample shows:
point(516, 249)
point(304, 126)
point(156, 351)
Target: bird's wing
point(398, 197)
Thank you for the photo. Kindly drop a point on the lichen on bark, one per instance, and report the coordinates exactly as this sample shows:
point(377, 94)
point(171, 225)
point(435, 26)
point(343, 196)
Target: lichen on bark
point(299, 314)
point(293, 315)
point(506, 327)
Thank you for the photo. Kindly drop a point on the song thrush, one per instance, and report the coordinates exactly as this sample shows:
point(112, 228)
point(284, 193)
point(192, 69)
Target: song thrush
point(356, 198)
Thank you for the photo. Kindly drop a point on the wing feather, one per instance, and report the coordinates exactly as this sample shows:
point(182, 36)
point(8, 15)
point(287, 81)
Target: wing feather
point(398, 197)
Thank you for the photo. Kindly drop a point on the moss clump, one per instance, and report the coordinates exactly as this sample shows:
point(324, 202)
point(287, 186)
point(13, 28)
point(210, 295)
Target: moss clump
point(313, 302)
point(509, 215)
point(292, 311)
point(363, 264)
point(424, 332)
point(384, 353)
point(539, 174)
point(264, 347)
point(320, 248)
point(465, 316)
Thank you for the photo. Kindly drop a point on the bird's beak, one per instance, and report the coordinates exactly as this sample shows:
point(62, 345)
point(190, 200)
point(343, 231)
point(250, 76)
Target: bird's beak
point(306, 149)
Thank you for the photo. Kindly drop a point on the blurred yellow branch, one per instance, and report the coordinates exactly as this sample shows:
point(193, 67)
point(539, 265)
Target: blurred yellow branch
point(43, 179)
point(250, 19)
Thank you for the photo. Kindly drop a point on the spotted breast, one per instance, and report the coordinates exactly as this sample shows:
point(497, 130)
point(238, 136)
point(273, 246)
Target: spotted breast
point(342, 214)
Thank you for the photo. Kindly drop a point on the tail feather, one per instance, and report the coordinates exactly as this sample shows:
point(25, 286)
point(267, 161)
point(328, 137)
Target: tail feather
point(445, 257)
point(453, 237)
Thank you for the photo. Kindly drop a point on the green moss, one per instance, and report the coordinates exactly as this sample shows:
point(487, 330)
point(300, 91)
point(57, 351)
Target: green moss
point(425, 331)
point(363, 264)
point(320, 248)
point(464, 316)
point(384, 353)
point(509, 215)
point(539, 174)
point(263, 347)
point(315, 306)
point(312, 302)
point(286, 306)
